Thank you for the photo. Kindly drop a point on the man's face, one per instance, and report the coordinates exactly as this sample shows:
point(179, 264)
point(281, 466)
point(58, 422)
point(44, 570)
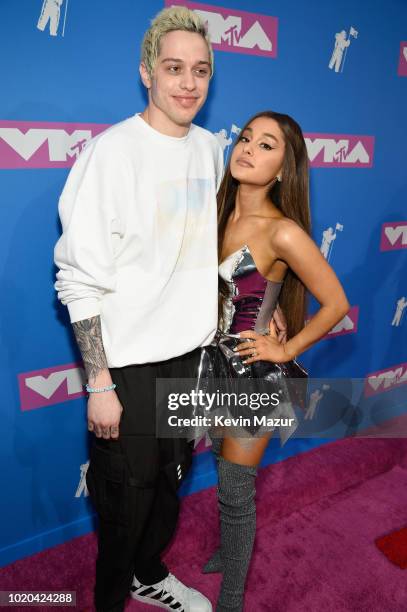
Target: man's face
point(179, 85)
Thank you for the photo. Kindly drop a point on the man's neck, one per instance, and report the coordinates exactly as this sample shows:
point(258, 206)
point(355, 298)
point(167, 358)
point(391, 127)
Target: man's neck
point(158, 120)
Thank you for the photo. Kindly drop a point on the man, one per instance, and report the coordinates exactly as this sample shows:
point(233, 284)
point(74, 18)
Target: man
point(138, 271)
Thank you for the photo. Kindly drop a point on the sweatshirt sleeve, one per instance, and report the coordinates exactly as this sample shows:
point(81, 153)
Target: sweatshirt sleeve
point(219, 166)
point(87, 208)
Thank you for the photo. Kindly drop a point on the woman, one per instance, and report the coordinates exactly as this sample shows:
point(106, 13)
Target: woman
point(266, 254)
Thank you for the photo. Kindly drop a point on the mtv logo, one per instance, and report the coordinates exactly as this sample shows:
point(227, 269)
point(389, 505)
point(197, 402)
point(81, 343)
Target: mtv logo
point(30, 144)
point(402, 68)
point(347, 325)
point(51, 386)
point(339, 151)
point(394, 236)
point(383, 380)
point(236, 31)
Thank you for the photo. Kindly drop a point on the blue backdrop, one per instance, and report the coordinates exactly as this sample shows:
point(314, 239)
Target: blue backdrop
point(70, 68)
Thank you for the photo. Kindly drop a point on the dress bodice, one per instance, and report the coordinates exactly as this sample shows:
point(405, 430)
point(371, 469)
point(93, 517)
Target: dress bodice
point(252, 299)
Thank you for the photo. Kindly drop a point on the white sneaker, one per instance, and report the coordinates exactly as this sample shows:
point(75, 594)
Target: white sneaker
point(170, 594)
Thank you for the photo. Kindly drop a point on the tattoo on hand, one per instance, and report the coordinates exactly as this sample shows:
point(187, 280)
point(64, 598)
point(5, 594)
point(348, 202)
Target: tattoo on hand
point(88, 334)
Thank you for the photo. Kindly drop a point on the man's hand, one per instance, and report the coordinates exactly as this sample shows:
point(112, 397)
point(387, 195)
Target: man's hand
point(278, 325)
point(104, 412)
point(104, 409)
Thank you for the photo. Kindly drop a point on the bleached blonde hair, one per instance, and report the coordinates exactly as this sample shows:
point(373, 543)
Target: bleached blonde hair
point(170, 20)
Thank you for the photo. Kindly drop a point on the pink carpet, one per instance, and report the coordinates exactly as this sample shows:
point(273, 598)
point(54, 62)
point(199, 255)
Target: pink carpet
point(319, 514)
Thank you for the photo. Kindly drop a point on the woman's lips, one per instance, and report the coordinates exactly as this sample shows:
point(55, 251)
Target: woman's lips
point(244, 162)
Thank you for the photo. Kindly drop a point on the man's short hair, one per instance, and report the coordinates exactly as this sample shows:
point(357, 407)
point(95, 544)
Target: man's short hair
point(170, 20)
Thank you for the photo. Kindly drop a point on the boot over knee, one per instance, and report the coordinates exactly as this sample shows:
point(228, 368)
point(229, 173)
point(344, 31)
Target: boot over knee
point(237, 508)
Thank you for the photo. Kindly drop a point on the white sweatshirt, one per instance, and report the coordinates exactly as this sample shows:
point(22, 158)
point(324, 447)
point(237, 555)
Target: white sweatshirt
point(139, 242)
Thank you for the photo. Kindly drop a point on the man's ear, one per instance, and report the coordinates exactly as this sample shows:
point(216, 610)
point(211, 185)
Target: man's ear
point(145, 77)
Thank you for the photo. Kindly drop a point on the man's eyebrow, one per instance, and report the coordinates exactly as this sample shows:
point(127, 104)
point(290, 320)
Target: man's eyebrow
point(249, 129)
point(171, 59)
point(180, 61)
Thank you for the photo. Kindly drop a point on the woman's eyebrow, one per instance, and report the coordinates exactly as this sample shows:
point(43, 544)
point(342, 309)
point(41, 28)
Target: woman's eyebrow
point(249, 129)
point(270, 136)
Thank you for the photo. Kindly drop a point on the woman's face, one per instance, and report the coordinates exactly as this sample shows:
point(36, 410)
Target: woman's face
point(259, 153)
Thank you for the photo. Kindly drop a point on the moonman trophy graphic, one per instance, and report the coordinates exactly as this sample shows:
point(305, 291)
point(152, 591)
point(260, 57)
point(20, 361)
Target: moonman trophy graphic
point(401, 305)
point(82, 488)
point(314, 400)
point(226, 140)
point(342, 43)
point(51, 12)
point(328, 236)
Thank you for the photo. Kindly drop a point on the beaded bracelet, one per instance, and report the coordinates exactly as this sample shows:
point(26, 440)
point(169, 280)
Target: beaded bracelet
point(99, 389)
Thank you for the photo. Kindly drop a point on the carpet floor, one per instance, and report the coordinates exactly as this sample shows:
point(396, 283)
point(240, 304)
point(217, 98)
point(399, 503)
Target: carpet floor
point(319, 514)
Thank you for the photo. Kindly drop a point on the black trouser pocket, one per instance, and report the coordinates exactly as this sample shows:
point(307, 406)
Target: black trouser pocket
point(109, 490)
point(177, 470)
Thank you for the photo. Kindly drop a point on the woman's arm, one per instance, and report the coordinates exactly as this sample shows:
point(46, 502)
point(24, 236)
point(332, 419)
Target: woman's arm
point(293, 245)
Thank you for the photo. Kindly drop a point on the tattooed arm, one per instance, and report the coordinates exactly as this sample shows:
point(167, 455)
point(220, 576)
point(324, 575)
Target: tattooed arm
point(104, 409)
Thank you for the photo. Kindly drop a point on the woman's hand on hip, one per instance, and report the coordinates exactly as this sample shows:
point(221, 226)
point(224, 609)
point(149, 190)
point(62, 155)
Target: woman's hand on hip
point(257, 347)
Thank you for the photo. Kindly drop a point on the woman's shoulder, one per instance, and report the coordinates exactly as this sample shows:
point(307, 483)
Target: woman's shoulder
point(282, 232)
point(282, 225)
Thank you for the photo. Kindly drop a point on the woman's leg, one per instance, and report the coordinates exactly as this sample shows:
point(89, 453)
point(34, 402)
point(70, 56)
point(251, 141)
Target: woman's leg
point(236, 494)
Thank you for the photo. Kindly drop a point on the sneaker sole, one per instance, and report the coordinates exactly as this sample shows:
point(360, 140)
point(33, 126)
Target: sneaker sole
point(151, 602)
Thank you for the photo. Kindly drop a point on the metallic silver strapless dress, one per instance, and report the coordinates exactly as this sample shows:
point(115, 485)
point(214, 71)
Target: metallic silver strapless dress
point(250, 306)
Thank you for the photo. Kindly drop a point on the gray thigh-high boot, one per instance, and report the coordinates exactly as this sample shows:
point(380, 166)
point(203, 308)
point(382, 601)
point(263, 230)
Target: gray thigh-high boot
point(237, 508)
point(214, 564)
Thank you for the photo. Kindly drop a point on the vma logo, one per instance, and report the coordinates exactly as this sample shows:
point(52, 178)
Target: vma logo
point(383, 380)
point(236, 31)
point(33, 144)
point(339, 151)
point(347, 325)
point(394, 236)
point(51, 386)
point(402, 71)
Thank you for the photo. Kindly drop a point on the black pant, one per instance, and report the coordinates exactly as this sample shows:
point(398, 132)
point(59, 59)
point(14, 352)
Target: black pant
point(133, 482)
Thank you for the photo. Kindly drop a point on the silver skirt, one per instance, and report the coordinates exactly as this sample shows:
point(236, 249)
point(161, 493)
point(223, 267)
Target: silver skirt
point(223, 373)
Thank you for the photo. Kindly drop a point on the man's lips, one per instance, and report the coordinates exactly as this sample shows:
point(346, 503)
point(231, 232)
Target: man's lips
point(186, 101)
point(244, 162)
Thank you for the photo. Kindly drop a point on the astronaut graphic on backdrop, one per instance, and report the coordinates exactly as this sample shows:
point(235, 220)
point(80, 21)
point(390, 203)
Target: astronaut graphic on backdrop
point(342, 43)
point(314, 400)
point(82, 488)
point(328, 237)
point(401, 304)
point(51, 12)
point(225, 139)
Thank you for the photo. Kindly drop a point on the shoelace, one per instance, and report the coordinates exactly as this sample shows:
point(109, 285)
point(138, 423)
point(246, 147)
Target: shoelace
point(177, 588)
